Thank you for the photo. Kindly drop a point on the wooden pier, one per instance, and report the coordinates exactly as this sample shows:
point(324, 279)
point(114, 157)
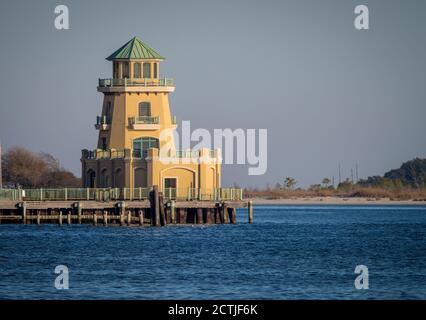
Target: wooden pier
point(155, 211)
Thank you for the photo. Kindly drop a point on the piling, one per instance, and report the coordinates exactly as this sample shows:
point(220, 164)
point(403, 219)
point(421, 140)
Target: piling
point(60, 217)
point(79, 212)
point(199, 215)
point(105, 217)
point(161, 209)
point(250, 211)
point(129, 218)
point(38, 217)
point(155, 208)
point(225, 213)
point(173, 211)
point(122, 208)
point(233, 215)
point(69, 218)
point(141, 218)
point(95, 217)
point(23, 206)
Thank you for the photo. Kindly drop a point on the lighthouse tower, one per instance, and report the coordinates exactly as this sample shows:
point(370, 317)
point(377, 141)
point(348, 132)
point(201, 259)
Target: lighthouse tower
point(135, 112)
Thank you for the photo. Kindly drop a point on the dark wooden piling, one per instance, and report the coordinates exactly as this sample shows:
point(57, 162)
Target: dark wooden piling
point(250, 211)
point(105, 217)
point(79, 212)
point(162, 213)
point(200, 216)
point(122, 211)
point(173, 211)
point(225, 213)
point(155, 207)
point(23, 206)
point(141, 217)
point(182, 215)
point(233, 215)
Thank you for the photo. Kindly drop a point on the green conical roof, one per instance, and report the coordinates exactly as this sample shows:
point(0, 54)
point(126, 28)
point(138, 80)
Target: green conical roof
point(135, 49)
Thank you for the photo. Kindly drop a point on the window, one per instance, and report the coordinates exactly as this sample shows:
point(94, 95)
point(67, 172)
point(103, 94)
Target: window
point(136, 70)
point(104, 143)
point(147, 70)
point(142, 145)
point(155, 71)
point(115, 70)
point(126, 70)
point(144, 109)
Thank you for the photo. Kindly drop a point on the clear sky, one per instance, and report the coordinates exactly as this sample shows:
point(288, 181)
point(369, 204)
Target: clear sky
point(327, 93)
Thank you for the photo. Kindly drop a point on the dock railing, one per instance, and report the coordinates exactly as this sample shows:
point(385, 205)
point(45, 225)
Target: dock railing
point(116, 194)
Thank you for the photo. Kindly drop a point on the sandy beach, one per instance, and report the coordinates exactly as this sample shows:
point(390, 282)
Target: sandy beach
point(335, 200)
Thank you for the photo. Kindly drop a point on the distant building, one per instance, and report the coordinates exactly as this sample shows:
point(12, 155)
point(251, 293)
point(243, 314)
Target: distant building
point(135, 111)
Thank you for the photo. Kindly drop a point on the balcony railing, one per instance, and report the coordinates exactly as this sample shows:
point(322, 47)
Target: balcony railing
point(144, 120)
point(104, 154)
point(164, 82)
point(102, 120)
point(142, 154)
point(106, 194)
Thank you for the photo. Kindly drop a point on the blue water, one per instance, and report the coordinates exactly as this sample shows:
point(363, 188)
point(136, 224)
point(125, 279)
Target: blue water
point(290, 252)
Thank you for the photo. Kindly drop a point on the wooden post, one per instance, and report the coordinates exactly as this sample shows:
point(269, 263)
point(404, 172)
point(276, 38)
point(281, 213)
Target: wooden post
point(79, 211)
point(155, 208)
point(209, 216)
point(173, 211)
point(225, 212)
point(250, 211)
point(199, 215)
point(219, 214)
point(141, 218)
point(233, 215)
point(182, 215)
point(69, 217)
point(95, 217)
point(105, 217)
point(122, 206)
point(129, 218)
point(24, 212)
point(163, 221)
point(38, 217)
point(60, 217)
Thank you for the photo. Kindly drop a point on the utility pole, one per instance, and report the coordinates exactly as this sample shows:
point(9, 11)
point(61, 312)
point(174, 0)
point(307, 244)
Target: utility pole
point(352, 175)
point(356, 172)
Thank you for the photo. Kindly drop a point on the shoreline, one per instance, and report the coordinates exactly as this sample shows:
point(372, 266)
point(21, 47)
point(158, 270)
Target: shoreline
point(334, 201)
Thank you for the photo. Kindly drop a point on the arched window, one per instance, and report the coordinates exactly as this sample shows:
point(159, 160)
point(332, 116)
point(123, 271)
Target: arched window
point(147, 70)
point(136, 70)
point(142, 145)
point(144, 109)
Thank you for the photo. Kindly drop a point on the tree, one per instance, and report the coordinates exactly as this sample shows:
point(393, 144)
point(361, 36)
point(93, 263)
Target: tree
point(24, 168)
point(290, 183)
point(326, 182)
